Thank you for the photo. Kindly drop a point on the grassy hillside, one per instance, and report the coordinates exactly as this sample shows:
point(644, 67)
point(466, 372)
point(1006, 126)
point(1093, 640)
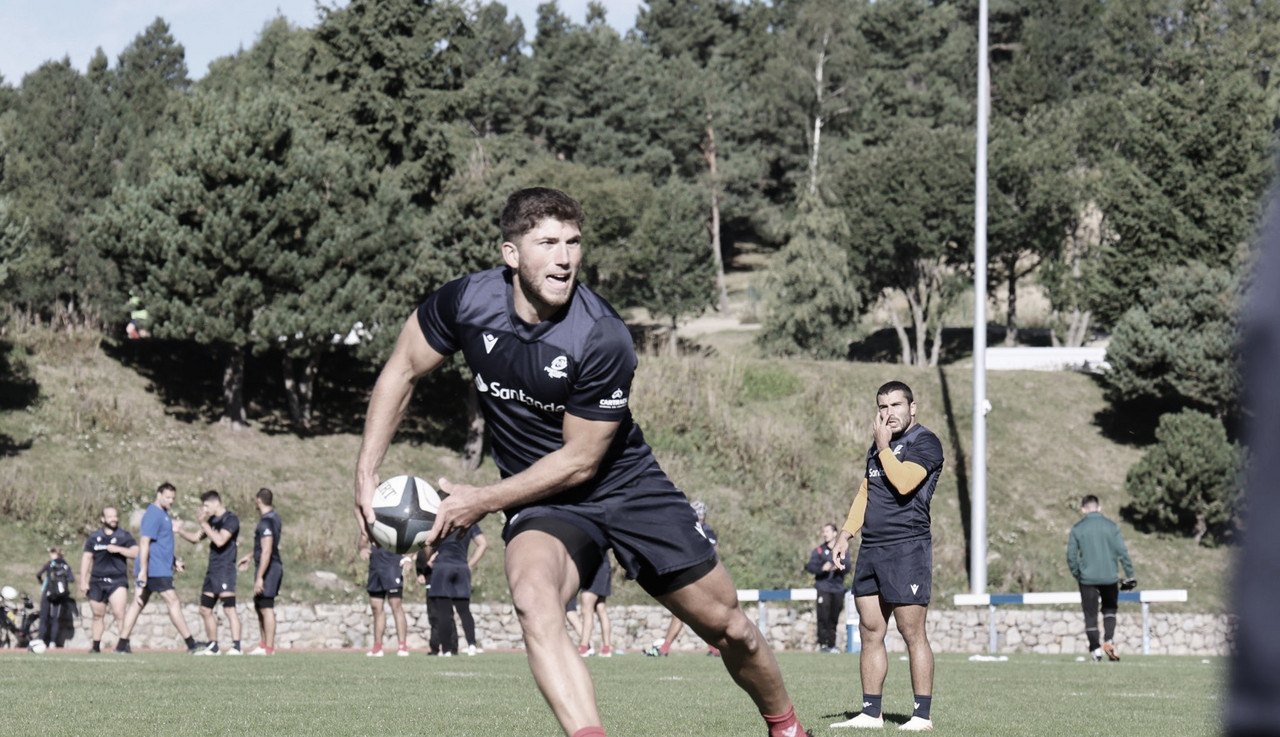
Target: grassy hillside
point(774, 447)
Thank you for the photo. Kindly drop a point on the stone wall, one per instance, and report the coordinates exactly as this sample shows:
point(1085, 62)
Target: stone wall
point(1019, 629)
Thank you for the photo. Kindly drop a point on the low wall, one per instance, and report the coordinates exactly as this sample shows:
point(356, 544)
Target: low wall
point(1020, 630)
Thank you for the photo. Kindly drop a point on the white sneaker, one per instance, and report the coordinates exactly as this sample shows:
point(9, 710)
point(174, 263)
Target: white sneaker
point(260, 650)
point(371, 654)
point(917, 724)
point(446, 655)
point(234, 651)
point(403, 652)
point(472, 650)
point(1097, 655)
point(589, 652)
point(863, 721)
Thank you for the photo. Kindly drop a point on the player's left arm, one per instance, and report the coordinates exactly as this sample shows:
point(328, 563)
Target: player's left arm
point(482, 544)
point(264, 560)
point(574, 463)
point(904, 476)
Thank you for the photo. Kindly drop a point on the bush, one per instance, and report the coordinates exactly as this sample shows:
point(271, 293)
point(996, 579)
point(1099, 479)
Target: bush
point(1178, 347)
point(1188, 482)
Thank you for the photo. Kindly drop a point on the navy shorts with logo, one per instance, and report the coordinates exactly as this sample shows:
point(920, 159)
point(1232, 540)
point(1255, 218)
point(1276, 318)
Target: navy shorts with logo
point(101, 589)
point(383, 584)
point(901, 573)
point(219, 582)
point(648, 523)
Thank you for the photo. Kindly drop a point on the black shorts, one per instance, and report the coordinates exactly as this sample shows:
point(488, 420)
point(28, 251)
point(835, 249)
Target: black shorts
point(450, 581)
point(602, 583)
point(649, 524)
point(270, 587)
point(101, 589)
point(219, 582)
point(383, 583)
point(901, 573)
point(158, 585)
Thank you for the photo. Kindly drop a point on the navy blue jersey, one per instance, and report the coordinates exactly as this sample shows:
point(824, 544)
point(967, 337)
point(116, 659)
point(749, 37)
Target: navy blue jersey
point(892, 517)
point(223, 558)
point(268, 526)
point(108, 565)
point(528, 376)
point(453, 551)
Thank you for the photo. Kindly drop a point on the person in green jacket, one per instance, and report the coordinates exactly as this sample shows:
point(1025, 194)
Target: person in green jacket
point(1093, 549)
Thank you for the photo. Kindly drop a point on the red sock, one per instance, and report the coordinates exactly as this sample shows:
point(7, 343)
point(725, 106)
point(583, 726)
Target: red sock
point(590, 732)
point(784, 725)
point(666, 647)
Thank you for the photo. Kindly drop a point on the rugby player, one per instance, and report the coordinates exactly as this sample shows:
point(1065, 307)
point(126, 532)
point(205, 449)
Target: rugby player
point(553, 365)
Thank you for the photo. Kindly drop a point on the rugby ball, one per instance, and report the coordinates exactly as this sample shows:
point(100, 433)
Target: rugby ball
point(404, 508)
point(37, 646)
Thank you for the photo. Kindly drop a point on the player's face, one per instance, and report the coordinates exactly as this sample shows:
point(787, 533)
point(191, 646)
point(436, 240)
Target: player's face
point(110, 518)
point(828, 533)
point(207, 509)
point(546, 261)
point(898, 413)
point(165, 499)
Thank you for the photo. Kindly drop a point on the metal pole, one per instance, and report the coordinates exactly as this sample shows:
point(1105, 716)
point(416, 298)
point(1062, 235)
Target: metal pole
point(1146, 628)
point(978, 512)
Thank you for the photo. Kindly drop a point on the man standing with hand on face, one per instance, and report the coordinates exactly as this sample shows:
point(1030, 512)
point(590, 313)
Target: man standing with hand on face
point(894, 573)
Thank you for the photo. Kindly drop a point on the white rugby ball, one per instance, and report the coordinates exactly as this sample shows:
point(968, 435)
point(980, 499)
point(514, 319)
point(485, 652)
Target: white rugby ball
point(404, 508)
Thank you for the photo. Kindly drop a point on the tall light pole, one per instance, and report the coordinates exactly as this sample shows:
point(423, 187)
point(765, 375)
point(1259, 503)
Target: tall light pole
point(978, 512)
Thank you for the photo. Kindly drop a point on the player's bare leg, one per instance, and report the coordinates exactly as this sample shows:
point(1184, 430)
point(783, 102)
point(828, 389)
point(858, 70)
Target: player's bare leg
point(379, 621)
point(175, 612)
point(210, 622)
point(587, 603)
point(100, 618)
point(543, 578)
point(710, 607)
point(267, 618)
point(233, 618)
point(911, 623)
point(873, 625)
point(140, 600)
point(118, 600)
point(402, 623)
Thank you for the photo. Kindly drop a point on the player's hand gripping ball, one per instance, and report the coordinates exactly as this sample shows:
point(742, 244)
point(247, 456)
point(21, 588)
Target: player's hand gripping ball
point(404, 508)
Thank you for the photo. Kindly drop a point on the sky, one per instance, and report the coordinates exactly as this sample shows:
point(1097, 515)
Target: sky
point(35, 31)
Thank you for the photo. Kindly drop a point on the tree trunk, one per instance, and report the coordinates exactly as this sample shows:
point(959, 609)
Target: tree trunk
point(902, 336)
point(817, 116)
point(709, 153)
point(299, 389)
point(1011, 319)
point(473, 450)
point(233, 388)
point(673, 343)
point(936, 351)
point(921, 325)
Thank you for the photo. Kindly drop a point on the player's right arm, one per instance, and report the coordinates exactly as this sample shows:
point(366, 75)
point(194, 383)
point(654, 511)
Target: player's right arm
point(412, 359)
point(86, 561)
point(852, 523)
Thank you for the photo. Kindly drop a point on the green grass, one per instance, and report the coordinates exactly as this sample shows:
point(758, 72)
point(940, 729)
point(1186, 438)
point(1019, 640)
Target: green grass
point(347, 694)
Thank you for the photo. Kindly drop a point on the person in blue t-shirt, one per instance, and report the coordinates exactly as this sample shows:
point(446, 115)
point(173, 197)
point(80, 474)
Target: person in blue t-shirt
point(154, 568)
point(552, 363)
point(221, 527)
point(104, 572)
point(894, 572)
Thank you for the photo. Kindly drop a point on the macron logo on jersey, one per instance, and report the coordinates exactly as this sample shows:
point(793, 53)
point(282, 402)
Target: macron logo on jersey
point(617, 400)
point(489, 342)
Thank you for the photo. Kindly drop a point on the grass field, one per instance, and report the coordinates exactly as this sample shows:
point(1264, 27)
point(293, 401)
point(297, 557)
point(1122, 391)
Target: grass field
point(492, 695)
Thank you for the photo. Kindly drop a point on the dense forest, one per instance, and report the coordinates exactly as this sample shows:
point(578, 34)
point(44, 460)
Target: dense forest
point(320, 183)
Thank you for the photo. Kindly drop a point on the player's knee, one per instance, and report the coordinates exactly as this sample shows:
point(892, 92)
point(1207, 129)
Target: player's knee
point(738, 633)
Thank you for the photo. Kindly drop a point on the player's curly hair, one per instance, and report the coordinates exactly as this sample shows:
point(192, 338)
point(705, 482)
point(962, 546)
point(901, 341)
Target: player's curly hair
point(528, 207)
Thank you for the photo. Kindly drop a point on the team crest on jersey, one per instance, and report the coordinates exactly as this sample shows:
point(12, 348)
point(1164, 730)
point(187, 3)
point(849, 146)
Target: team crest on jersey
point(557, 367)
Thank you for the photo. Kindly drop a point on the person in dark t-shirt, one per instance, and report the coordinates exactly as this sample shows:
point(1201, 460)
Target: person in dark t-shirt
point(894, 572)
point(222, 527)
point(104, 572)
point(552, 365)
point(268, 570)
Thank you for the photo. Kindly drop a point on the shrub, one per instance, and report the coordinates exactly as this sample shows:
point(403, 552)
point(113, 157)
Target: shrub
point(1188, 482)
